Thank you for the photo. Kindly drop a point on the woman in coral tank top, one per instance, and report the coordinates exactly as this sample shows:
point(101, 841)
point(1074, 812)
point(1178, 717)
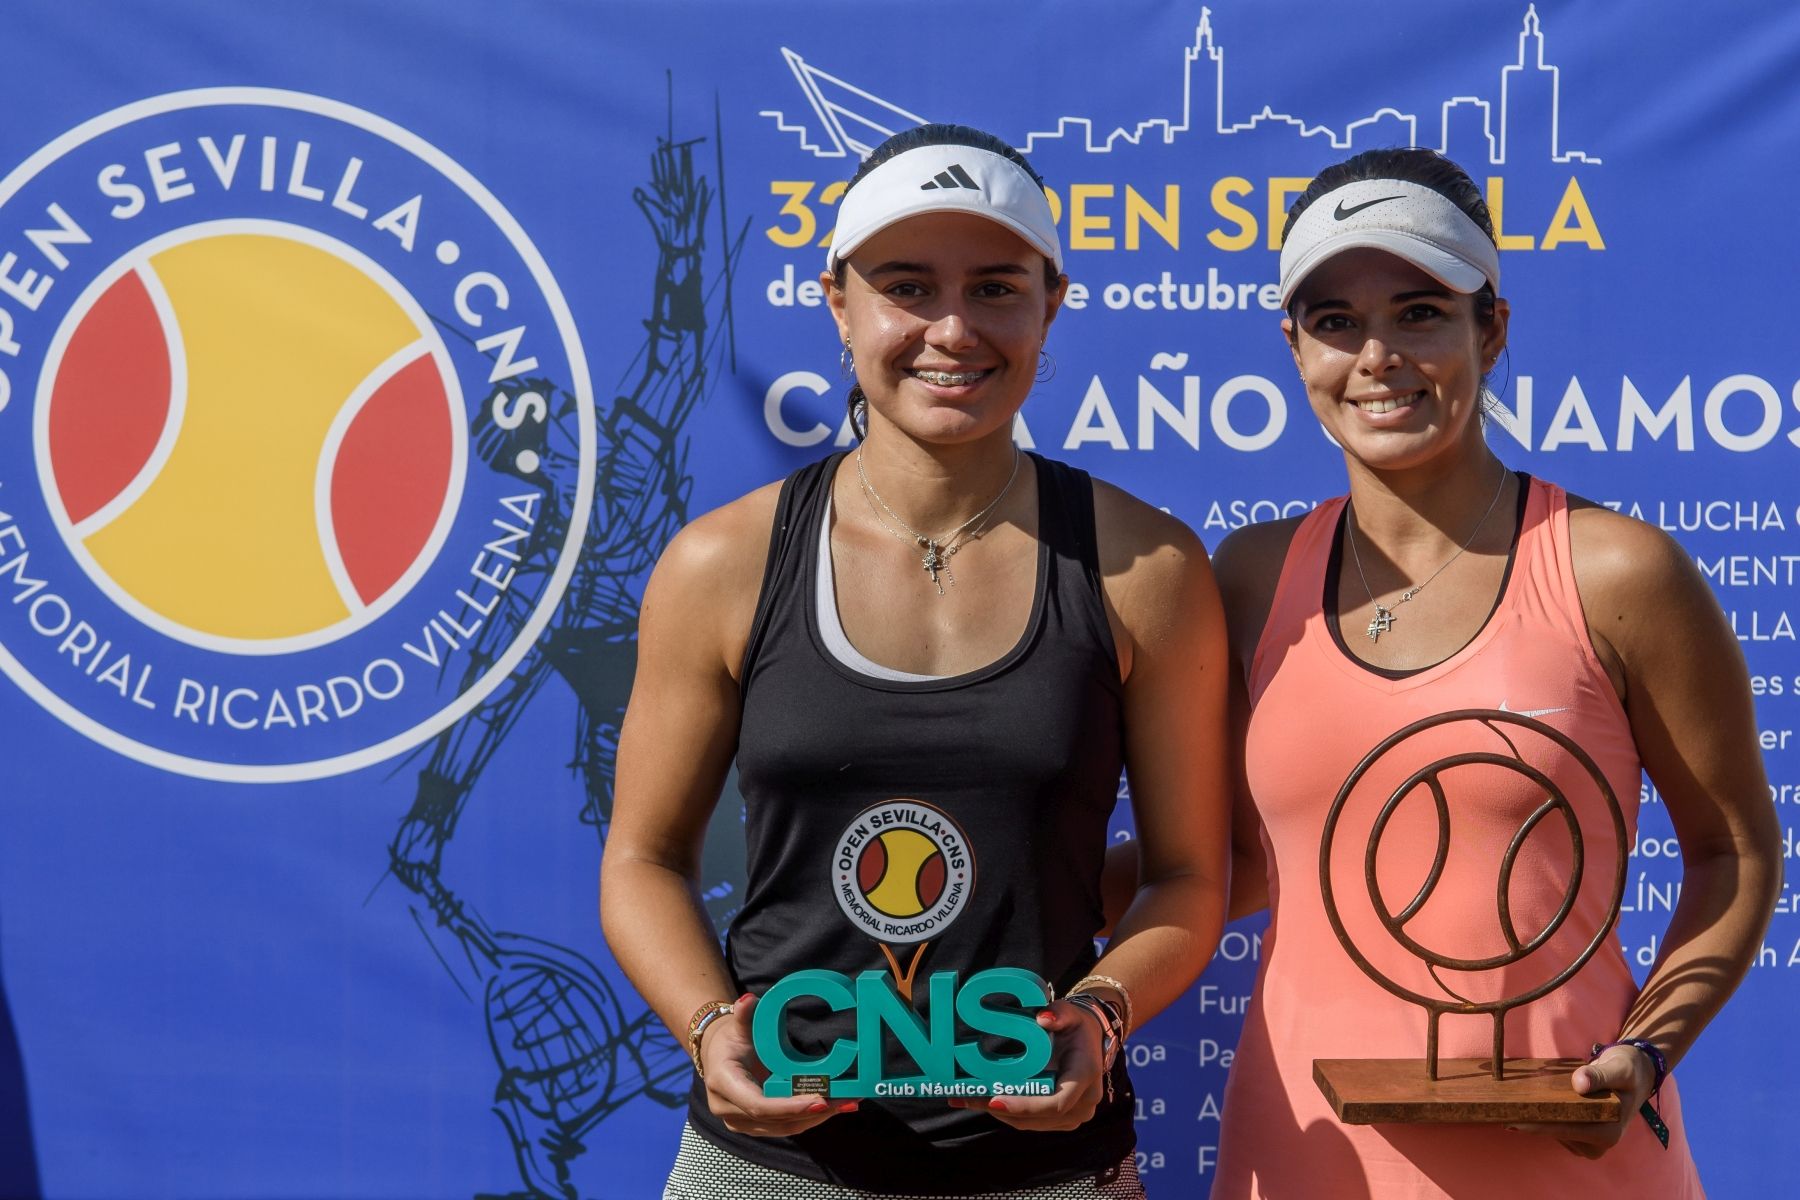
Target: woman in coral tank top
point(1445, 581)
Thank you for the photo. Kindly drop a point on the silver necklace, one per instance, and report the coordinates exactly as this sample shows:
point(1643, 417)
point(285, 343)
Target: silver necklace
point(935, 552)
point(1383, 620)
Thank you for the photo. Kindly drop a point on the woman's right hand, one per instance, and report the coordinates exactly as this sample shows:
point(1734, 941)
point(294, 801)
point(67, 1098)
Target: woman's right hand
point(734, 1078)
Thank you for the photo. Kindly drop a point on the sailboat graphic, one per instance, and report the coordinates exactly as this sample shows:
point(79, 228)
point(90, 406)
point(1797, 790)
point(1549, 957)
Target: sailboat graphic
point(854, 120)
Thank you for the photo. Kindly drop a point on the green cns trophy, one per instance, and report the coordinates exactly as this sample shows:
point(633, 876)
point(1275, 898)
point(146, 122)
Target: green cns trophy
point(1493, 1089)
point(902, 872)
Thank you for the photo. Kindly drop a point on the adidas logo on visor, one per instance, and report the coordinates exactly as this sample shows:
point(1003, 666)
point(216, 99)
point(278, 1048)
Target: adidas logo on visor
point(955, 177)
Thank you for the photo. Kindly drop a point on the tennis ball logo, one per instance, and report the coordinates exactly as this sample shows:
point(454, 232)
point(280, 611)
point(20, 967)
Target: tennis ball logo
point(252, 436)
point(245, 533)
point(902, 871)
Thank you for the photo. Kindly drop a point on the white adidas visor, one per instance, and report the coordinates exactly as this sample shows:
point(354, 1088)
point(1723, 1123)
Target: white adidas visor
point(1408, 220)
point(933, 179)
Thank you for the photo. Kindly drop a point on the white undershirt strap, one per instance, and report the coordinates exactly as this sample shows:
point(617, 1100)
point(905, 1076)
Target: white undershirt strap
point(831, 628)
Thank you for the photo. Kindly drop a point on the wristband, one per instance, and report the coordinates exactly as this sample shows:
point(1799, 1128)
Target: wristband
point(703, 1016)
point(1659, 1065)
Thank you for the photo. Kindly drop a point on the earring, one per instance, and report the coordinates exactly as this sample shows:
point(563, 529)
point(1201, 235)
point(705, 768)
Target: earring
point(846, 361)
point(1046, 369)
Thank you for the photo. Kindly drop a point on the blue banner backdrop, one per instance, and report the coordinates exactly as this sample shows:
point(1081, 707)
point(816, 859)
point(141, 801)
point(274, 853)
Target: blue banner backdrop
point(311, 712)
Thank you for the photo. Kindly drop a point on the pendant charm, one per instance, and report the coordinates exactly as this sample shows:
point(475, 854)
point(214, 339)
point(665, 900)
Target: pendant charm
point(933, 560)
point(1380, 623)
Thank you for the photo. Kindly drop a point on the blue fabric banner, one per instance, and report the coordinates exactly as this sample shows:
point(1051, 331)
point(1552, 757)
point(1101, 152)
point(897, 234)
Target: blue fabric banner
point(357, 360)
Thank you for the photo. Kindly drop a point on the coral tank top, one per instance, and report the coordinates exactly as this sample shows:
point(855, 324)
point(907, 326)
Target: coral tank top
point(1315, 714)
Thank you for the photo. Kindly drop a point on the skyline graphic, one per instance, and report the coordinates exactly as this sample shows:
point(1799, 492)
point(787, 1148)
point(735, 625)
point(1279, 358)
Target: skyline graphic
point(1520, 121)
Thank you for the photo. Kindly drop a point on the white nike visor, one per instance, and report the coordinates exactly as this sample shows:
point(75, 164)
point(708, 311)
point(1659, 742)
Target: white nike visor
point(947, 178)
point(1409, 220)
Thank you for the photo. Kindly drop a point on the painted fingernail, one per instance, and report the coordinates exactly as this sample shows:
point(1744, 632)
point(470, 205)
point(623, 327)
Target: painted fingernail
point(851, 1107)
point(745, 998)
point(818, 1106)
point(998, 1106)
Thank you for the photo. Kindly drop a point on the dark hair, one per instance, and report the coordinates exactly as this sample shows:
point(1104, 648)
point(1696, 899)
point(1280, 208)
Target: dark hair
point(940, 134)
point(1410, 164)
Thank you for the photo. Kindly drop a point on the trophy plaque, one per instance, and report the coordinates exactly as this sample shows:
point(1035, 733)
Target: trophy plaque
point(902, 872)
point(946, 1046)
point(1479, 1090)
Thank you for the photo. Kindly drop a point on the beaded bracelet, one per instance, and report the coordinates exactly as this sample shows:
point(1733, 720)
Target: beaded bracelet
point(703, 1016)
point(1650, 1110)
point(1126, 1023)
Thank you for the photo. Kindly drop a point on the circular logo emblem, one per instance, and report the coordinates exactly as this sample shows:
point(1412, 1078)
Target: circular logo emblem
point(1486, 740)
point(296, 438)
point(902, 871)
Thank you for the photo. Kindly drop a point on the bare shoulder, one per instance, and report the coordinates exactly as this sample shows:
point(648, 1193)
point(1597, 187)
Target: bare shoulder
point(1619, 560)
point(726, 543)
point(1156, 577)
point(1251, 557)
point(1643, 598)
point(709, 576)
point(1248, 564)
point(1133, 534)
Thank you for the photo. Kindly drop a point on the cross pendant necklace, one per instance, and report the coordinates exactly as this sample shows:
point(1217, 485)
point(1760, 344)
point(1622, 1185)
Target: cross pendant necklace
point(1380, 623)
point(1383, 620)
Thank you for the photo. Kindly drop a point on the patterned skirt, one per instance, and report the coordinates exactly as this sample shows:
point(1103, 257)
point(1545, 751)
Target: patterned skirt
point(705, 1172)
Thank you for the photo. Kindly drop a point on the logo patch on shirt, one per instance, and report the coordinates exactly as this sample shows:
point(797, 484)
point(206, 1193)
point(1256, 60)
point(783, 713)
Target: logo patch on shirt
point(902, 871)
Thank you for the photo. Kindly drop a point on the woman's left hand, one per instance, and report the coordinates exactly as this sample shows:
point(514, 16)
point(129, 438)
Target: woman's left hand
point(1620, 1069)
point(1076, 1062)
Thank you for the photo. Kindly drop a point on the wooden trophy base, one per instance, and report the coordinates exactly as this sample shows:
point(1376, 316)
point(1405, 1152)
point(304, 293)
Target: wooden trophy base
point(1370, 1091)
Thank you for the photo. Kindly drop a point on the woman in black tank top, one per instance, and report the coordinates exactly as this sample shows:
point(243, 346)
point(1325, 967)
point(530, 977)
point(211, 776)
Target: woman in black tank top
point(938, 632)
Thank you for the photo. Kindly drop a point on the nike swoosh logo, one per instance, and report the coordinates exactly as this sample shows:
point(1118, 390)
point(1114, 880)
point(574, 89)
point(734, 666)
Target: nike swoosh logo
point(1530, 712)
point(1344, 214)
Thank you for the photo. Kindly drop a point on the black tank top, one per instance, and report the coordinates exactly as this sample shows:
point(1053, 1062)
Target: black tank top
point(1022, 755)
